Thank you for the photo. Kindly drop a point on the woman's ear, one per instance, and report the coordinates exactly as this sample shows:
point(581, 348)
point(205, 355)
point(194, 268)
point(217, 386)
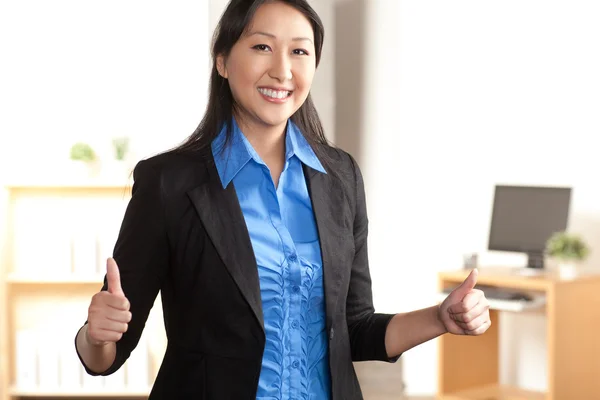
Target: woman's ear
point(221, 68)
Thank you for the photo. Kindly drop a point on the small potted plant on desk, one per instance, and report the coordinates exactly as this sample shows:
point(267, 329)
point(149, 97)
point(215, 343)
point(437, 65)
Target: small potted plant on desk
point(567, 251)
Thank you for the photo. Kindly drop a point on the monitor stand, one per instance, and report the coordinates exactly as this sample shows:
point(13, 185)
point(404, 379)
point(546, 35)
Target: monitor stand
point(535, 260)
point(535, 265)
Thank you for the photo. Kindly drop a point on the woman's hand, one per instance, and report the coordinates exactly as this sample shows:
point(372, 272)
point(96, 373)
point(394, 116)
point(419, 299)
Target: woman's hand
point(466, 310)
point(108, 313)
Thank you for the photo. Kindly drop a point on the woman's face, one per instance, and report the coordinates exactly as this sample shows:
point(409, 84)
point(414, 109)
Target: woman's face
point(271, 67)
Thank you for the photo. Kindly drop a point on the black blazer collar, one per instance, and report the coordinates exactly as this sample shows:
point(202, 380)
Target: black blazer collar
point(224, 222)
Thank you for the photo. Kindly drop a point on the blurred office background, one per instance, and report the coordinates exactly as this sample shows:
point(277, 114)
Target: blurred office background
point(438, 100)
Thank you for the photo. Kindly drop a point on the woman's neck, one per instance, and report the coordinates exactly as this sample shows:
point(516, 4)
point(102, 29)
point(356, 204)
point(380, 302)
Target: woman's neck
point(268, 141)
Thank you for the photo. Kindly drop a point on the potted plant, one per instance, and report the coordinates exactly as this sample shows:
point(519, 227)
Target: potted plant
point(117, 167)
point(567, 249)
point(121, 148)
point(83, 154)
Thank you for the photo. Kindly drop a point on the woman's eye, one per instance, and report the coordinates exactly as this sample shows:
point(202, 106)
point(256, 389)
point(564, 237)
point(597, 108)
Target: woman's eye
point(300, 52)
point(262, 47)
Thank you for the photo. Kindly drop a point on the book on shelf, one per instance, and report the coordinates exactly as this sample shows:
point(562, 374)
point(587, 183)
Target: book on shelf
point(26, 358)
point(48, 355)
point(70, 366)
point(91, 382)
point(137, 366)
point(116, 380)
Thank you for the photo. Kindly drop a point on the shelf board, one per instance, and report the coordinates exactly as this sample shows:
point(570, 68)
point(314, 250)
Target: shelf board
point(78, 392)
point(70, 175)
point(22, 279)
point(70, 184)
point(495, 392)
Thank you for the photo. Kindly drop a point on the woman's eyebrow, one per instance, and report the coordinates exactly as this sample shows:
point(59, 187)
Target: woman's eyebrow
point(296, 39)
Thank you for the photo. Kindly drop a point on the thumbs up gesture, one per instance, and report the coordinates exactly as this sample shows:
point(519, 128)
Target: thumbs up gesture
point(466, 310)
point(108, 313)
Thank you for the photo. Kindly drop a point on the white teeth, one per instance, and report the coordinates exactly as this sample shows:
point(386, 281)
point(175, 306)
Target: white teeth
point(275, 94)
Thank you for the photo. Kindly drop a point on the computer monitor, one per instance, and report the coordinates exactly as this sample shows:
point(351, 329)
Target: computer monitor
point(524, 218)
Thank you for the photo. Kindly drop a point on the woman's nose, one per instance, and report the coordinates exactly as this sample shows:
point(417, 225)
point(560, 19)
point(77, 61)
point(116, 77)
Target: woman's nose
point(281, 69)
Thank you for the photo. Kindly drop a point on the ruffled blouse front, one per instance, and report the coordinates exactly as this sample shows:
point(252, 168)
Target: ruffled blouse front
point(284, 237)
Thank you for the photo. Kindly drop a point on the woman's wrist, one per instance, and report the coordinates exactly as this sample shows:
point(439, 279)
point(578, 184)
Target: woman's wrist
point(439, 321)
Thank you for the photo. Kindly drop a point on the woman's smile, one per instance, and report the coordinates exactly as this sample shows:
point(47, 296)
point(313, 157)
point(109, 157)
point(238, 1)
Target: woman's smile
point(275, 95)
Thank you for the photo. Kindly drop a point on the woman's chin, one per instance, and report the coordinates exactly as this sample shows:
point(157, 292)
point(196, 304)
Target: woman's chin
point(274, 120)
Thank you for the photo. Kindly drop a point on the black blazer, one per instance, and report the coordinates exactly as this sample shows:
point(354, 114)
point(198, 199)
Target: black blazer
point(185, 236)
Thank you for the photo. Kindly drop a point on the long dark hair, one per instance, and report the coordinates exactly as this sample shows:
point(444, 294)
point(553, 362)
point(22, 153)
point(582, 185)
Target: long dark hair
point(219, 110)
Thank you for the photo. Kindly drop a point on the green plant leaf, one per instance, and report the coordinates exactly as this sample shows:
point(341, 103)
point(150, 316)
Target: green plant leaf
point(82, 152)
point(565, 246)
point(121, 147)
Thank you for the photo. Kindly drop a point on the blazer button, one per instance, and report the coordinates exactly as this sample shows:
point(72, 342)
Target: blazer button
point(331, 334)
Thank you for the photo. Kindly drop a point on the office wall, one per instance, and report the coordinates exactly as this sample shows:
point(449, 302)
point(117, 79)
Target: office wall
point(81, 71)
point(459, 96)
point(91, 71)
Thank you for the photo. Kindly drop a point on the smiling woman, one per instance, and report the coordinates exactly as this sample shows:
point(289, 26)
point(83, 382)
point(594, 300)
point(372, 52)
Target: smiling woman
point(263, 49)
point(254, 231)
point(270, 70)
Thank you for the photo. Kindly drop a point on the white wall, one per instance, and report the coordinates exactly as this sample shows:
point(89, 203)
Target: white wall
point(460, 96)
point(80, 70)
point(84, 71)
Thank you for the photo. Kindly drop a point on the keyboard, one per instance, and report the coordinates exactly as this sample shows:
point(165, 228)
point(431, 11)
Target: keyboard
point(497, 293)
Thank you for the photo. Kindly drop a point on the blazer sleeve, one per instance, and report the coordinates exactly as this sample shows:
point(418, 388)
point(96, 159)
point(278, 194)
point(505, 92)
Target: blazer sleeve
point(366, 328)
point(142, 253)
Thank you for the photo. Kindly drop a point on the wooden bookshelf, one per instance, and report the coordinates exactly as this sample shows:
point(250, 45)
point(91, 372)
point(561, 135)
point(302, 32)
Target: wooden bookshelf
point(78, 393)
point(51, 227)
point(71, 279)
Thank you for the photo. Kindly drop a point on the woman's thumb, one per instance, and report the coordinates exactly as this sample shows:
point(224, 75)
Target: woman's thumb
point(469, 283)
point(113, 277)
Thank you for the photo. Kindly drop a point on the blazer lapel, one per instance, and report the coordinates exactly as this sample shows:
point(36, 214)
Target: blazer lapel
point(224, 222)
point(319, 188)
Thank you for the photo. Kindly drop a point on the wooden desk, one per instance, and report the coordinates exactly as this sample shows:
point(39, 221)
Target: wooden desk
point(469, 366)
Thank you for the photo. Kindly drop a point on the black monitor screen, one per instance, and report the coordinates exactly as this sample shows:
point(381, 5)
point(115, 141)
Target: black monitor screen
point(524, 217)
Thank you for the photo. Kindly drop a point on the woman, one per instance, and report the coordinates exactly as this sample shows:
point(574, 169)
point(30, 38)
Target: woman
point(254, 231)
